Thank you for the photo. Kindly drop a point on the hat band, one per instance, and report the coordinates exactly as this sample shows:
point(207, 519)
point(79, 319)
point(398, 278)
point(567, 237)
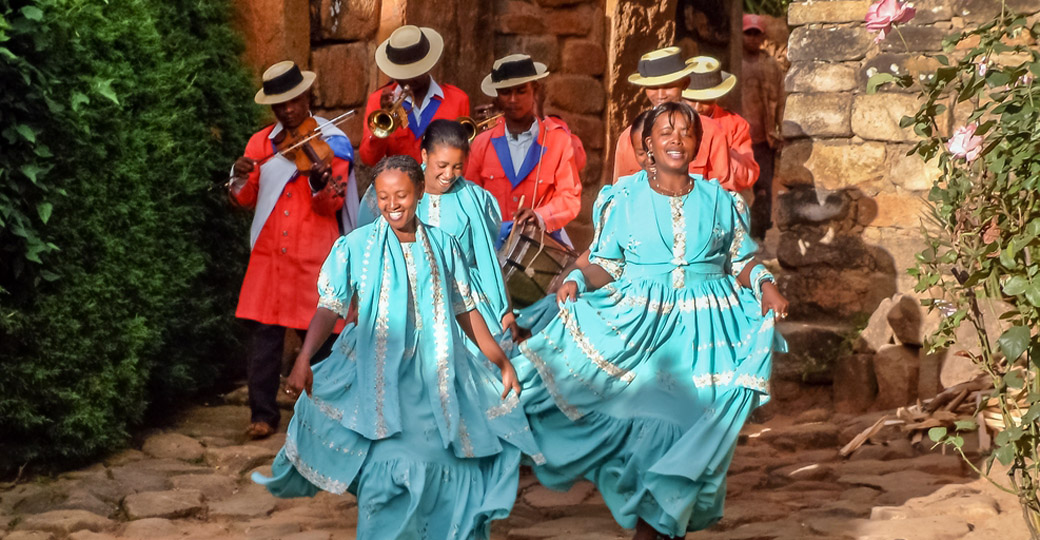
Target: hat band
point(284, 82)
point(658, 67)
point(410, 54)
point(704, 81)
point(515, 69)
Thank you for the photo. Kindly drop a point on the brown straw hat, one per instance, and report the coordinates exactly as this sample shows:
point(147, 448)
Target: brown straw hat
point(707, 80)
point(282, 82)
point(409, 52)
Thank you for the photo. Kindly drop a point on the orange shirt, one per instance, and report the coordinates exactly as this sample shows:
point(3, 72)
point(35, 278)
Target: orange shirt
point(404, 141)
point(281, 281)
point(712, 160)
point(550, 184)
point(742, 165)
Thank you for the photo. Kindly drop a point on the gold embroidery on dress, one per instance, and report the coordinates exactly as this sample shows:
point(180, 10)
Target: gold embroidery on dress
point(550, 383)
point(382, 331)
point(435, 209)
point(440, 326)
point(590, 350)
point(679, 246)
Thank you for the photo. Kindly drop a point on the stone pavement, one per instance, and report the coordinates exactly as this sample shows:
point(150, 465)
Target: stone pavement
point(787, 482)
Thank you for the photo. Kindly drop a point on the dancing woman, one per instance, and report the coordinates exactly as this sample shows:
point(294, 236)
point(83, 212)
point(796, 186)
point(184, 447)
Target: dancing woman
point(401, 414)
point(662, 345)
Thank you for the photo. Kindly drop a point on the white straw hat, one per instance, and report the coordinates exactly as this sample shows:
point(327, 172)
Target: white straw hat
point(409, 52)
point(283, 82)
point(512, 70)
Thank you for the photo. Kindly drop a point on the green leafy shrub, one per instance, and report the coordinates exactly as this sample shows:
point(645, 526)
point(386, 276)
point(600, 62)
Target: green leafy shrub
point(119, 260)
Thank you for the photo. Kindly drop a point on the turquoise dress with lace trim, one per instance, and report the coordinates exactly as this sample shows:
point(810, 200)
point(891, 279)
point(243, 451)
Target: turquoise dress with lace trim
point(402, 414)
point(643, 385)
point(471, 215)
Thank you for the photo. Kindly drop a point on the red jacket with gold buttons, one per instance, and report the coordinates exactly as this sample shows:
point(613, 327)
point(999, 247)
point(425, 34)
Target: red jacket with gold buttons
point(550, 185)
point(281, 283)
point(404, 141)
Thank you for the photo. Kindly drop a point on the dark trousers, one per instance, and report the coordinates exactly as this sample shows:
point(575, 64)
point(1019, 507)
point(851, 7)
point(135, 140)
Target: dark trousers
point(762, 207)
point(264, 369)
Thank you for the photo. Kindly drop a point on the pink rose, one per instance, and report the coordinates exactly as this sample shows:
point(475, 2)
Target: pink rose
point(965, 143)
point(884, 13)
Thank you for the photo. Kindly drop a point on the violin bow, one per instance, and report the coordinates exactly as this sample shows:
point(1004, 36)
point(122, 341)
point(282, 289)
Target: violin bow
point(314, 134)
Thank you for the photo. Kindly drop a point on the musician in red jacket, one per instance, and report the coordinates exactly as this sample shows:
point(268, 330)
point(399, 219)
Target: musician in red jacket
point(294, 227)
point(527, 164)
point(407, 57)
point(708, 84)
point(663, 75)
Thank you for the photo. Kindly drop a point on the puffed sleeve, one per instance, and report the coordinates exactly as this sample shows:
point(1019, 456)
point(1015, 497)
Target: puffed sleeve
point(334, 288)
point(742, 250)
point(606, 250)
point(459, 290)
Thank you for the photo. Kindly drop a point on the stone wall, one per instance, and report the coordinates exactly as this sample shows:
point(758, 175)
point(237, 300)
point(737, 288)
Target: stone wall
point(850, 203)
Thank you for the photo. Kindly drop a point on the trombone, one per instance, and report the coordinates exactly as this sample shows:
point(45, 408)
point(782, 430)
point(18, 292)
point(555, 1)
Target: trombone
point(474, 128)
point(383, 122)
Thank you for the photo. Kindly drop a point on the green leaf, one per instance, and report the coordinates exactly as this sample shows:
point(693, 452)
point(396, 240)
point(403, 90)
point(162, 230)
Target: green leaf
point(105, 89)
point(877, 80)
point(26, 132)
point(1014, 379)
point(32, 13)
point(965, 425)
point(1016, 286)
point(937, 434)
point(31, 170)
point(45, 209)
point(1005, 454)
point(1014, 341)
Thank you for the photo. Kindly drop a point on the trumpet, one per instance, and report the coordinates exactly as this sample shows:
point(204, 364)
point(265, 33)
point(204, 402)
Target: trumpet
point(383, 122)
point(474, 128)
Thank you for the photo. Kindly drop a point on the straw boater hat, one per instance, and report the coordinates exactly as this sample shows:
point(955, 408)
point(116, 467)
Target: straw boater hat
point(283, 82)
point(409, 52)
point(707, 80)
point(510, 71)
point(660, 67)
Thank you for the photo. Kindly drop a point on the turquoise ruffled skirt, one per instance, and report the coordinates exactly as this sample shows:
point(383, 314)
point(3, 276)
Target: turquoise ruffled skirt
point(408, 485)
point(643, 389)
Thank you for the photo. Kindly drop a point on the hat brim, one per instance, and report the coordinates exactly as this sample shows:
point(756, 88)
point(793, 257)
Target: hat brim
point(490, 88)
point(308, 81)
point(660, 80)
point(713, 93)
point(403, 72)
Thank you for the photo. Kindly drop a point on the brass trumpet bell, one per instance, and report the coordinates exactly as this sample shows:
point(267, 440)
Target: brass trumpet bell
point(383, 122)
point(474, 128)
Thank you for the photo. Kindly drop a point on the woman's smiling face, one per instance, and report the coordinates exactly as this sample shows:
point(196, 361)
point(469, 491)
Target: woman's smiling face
point(672, 142)
point(398, 197)
point(443, 165)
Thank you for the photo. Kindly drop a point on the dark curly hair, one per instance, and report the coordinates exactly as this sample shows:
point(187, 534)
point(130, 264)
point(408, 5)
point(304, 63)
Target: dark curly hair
point(405, 164)
point(666, 110)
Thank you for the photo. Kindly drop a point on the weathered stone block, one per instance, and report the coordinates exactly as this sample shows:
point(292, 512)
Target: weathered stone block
point(811, 207)
point(822, 291)
point(558, 3)
point(821, 77)
point(348, 20)
point(855, 385)
point(897, 368)
point(237, 459)
point(589, 128)
point(275, 30)
point(834, 11)
point(518, 17)
point(906, 318)
point(915, 39)
point(164, 504)
point(541, 48)
point(821, 246)
point(812, 350)
point(911, 173)
point(212, 486)
point(64, 522)
point(930, 11)
point(342, 74)
point(576, 93)
point(928, 380)
point(584, 57)
point(977, 11)
point(832, 44)
point(576, 21)
point(173, 446)
point(899, 210)
point(876, 116)
point(818, 115)
point(877, 333)
point(836, 165)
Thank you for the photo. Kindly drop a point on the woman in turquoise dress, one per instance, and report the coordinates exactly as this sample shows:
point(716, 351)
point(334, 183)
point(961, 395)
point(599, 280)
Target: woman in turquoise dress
point(661, 347)
point(464, 210)
point(402, 414)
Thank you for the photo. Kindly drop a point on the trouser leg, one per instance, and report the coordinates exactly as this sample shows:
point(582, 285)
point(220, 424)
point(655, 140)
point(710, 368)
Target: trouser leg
point(263, 370)
point(762, 208)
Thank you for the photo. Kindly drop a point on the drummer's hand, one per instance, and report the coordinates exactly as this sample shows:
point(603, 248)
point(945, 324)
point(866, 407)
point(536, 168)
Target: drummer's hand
point(509, 379)
point(568, 291)
point(526, 215)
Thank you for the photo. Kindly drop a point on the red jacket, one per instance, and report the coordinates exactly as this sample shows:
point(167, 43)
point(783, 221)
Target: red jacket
point(281, 283)
point(743, 167)
point(558, 197)
point(404, 141)
point(580, 157)
point(712, 160)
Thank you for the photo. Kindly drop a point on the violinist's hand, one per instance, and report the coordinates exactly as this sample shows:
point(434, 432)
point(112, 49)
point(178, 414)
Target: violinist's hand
point(773, 300)
point(243, 166)
point(527, 215)
point(319, 176)
point(567, 292)
point(301, 378)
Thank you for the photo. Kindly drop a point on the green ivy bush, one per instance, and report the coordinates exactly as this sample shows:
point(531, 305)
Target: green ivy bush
point(119, 259)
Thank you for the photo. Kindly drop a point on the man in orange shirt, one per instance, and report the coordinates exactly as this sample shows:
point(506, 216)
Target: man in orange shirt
point(664, 75)
point(527, 164)
point(407, 57)
point(708, 84)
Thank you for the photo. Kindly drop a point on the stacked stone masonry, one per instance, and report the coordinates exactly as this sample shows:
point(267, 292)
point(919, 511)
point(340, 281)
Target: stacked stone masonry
point(851, 202)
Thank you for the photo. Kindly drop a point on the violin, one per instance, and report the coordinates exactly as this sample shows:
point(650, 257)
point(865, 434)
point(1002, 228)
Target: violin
point(301, 146)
